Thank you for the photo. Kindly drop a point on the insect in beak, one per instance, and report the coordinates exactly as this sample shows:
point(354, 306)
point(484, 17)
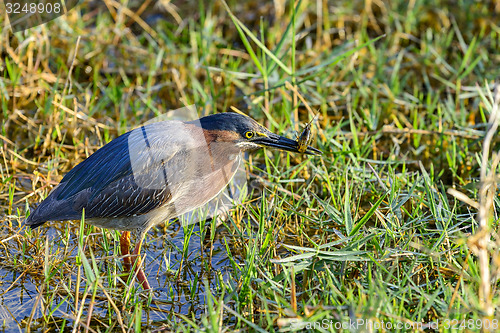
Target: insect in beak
point(305, 137)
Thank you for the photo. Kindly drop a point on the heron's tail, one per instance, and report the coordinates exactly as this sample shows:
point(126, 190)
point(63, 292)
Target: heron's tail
point(34, 220)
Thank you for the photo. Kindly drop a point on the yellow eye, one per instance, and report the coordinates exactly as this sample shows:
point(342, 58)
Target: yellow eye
point(249, 134)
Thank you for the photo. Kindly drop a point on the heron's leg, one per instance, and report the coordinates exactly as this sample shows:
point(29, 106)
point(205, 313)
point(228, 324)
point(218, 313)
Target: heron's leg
point(124, 247)
point(141, 277)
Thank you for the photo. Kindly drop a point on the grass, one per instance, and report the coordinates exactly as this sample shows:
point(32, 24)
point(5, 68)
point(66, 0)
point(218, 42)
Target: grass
point(369, 231)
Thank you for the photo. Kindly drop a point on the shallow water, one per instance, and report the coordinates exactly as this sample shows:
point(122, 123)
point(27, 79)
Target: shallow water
point(173, 291)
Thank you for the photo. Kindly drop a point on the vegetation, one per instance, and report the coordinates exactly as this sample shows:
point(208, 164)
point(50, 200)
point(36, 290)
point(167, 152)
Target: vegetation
point(370, 231)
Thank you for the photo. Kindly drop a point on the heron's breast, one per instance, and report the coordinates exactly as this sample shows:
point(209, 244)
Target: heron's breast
point(205, 183)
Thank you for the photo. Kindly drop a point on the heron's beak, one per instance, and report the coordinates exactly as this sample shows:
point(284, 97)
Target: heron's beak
point(282, 143)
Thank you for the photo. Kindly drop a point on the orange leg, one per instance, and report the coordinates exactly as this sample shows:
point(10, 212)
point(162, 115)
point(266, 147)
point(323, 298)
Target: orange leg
point(141, 277)
point(124, 247)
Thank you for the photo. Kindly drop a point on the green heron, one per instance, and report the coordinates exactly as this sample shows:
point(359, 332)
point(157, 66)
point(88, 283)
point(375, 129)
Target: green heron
point(155, 173)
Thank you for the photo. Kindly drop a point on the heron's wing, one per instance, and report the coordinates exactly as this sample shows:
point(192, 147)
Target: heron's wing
point(123, 198)
point(126, 177)
point(108, 164)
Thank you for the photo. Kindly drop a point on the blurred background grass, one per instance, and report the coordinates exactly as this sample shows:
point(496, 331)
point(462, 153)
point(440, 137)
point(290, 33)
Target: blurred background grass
point(367, 231)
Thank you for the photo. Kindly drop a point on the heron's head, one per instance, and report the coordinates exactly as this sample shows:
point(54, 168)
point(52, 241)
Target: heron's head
point(247, 134)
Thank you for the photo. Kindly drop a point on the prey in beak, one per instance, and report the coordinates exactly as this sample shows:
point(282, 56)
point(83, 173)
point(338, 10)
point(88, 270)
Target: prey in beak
point(279, 142)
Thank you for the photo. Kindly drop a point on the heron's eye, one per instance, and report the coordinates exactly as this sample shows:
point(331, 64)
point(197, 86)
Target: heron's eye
point(249, 134)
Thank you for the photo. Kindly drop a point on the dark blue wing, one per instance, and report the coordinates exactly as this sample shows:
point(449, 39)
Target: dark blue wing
point(105, 166)
point(105, 183)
